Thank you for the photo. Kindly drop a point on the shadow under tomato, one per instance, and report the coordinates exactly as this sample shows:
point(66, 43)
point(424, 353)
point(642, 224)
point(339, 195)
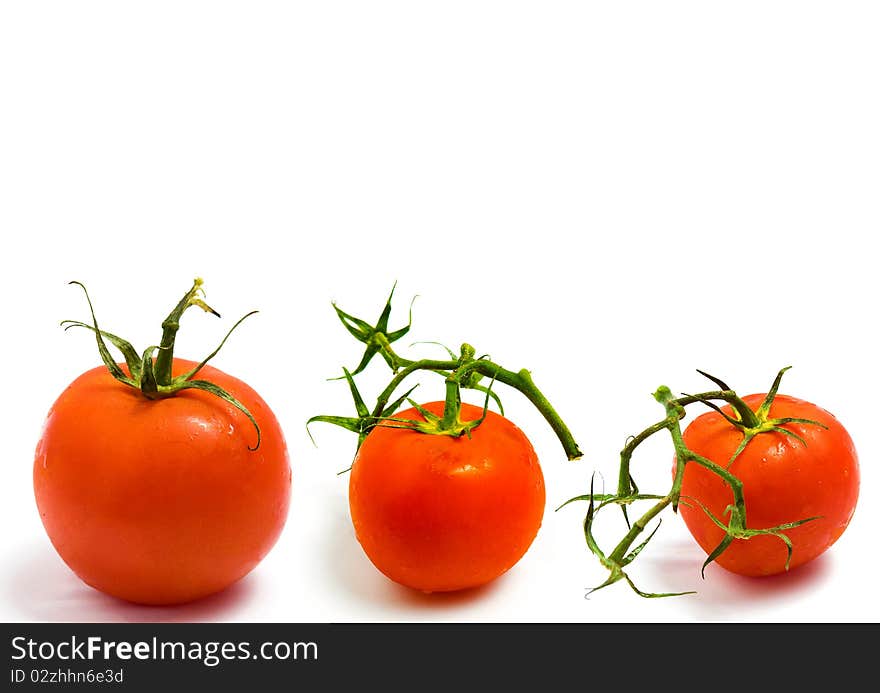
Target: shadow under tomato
point(726, 595)
point(355, 575)
point(42, 588)
point(444, 600)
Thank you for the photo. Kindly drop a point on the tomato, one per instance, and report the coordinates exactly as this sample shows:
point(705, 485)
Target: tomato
point(160, 501)
point(783, 481)
point(441, 513)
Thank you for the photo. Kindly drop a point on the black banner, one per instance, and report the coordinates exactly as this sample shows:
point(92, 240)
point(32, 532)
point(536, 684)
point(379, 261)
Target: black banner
point(135, 657)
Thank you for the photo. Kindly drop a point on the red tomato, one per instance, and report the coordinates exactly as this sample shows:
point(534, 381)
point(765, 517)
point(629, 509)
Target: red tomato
point(160, 501)
point(439, 513)
point(783, 481)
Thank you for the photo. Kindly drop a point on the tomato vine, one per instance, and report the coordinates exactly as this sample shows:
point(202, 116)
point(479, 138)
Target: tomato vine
point(463, 370)
point(750, 422)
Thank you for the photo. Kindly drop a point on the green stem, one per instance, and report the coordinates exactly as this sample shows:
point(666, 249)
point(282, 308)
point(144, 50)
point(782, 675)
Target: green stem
point(154, 379)
point(522, 381)
point(674, 413)
point(637, 528)
point(748, 422)
point(170, 326)
point(409, 368)
point(452, 406)
point(624, 480)
point(464, 371)
point(735, 484)
point(683, 455)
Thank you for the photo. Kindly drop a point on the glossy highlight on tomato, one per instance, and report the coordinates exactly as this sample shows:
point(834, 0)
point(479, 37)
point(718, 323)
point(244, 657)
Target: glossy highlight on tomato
point(440, 513)
point(160, 501)
point(784, 480)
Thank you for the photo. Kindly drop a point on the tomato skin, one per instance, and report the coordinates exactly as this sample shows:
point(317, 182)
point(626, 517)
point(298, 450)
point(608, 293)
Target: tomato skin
point(783, 481)
point(438, 513)
point(160, 501)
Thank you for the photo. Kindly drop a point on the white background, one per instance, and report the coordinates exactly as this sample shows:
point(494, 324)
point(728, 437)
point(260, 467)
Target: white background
point(611, 194)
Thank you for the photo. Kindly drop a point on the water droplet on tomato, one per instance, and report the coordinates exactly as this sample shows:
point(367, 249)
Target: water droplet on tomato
point(41, 455)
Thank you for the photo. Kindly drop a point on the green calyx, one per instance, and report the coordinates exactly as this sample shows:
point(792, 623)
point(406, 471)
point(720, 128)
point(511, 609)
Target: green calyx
point(753, 423)
point(750, 422)
point(464, 370)
point(153, 376)
point(450, 424)
point(377, 338)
